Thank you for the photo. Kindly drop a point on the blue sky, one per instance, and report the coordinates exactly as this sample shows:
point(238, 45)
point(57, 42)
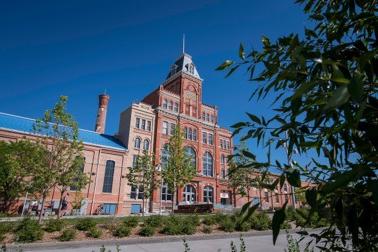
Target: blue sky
point(81, 48)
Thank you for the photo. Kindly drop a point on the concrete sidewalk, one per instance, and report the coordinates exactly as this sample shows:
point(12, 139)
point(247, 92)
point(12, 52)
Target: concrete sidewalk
point(212, 242)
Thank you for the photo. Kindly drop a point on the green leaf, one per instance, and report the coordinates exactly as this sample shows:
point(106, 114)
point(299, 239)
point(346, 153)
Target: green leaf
point(278, 219)
point(265, 41)
point(241, 52)
point(239, 125)
point(248, 154)
point(254, 118)
point(339, 97)
point(250, 211)
point(225, 65)
point(293, 177)
point(302, 89)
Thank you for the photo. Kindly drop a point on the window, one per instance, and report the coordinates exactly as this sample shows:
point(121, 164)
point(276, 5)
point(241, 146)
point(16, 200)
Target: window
point(194, 111)
point(136, 192)
point(108, 178)
point(190, 153)
point(207, 117)
point(146, 144)
point(165, 103)
point(137, 123)
point(165, 128)
point(208, 194)
point(211, 139)
point(186, 133)
point(266, 196)
point(149, 125)
point(223, 166)
point(176, 108)
point(189, 194)
point(285, 187)
point(144, 124)
point(221, 144)
point(190, 134)
point(170, 107)
point(204, 137)
point(166, 194)
point(135, 160)
point(137, 143)
point(211, 118)
point(277, 198)
point(165, 156)
point(194, 135)
point(207, 164)
point(173, 128)
point(109, 208)
point(203, 116)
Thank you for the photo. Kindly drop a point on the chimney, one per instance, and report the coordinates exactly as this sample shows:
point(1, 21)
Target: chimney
point(103, 100)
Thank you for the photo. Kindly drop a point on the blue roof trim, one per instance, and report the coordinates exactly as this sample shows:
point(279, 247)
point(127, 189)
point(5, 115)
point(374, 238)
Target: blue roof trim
point(25, 125)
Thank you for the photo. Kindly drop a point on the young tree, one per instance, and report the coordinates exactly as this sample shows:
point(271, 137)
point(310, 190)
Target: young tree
point(60, 139)
point(179, 169)
point(143, 175)
point(17, 161)
point(324, 87)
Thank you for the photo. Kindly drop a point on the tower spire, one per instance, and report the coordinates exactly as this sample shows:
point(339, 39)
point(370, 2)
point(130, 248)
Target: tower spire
point(183, 43)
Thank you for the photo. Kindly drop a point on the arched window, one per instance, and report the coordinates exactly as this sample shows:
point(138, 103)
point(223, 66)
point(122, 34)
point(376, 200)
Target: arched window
point(189, 194)
point(190, 153)
point(194, 135)
point(137, 143)
point(108, 178)
point(165, 156)
point(207, 164)
point(208, 194)
point(146, 144)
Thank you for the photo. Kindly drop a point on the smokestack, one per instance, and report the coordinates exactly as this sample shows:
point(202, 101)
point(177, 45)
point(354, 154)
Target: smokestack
point(103, 100)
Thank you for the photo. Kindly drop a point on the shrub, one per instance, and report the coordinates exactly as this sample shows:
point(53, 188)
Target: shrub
point(171, 228)
point(94, 232)
point(260, 221)
point(154, 221)
point(285, 225)
point(54, 225)
point(219, 217)
point(227, 225)
point(193, 219)
point(68, 235)
point(242, 226)
point(207, 229)
point(5, 228)
point(209, 220)
point(188, 228)
point(85, 224)
point(122, 230)
point(147, 231)
point(131, 221)
point(28, 231)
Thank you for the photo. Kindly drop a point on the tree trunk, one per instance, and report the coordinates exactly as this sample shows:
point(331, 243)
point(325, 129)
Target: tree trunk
point(60, 203)
point(143, 205)
point(42, 208)
point(234, 196)
point(260, 200)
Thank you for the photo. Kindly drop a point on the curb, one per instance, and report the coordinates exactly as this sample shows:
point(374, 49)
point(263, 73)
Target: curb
point(128, 241)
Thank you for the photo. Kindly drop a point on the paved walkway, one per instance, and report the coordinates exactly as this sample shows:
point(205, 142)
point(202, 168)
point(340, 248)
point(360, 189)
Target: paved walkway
point(253, 243)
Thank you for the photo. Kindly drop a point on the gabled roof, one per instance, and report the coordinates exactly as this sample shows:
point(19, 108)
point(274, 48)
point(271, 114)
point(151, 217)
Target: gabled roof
point(184, 64)
point(25, 125)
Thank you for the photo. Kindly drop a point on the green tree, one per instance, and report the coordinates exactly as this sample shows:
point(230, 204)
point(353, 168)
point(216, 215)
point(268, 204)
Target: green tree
point(324, 91)
point(17, 162)
point(143, 175)
point(179, 169)
point(63, 150)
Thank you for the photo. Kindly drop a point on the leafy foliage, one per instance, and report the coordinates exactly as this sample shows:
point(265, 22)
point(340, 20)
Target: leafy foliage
point(67, 235)
point(131, 221)
point(85, 224)
point(122, 231)
point(54, 225)
point(324, 87)
point(147, 231)
point(179, 169)
point(28, 231)
point(94, 232)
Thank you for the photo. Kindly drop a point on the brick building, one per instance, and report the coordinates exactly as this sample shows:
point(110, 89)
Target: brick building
point(147, 125)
